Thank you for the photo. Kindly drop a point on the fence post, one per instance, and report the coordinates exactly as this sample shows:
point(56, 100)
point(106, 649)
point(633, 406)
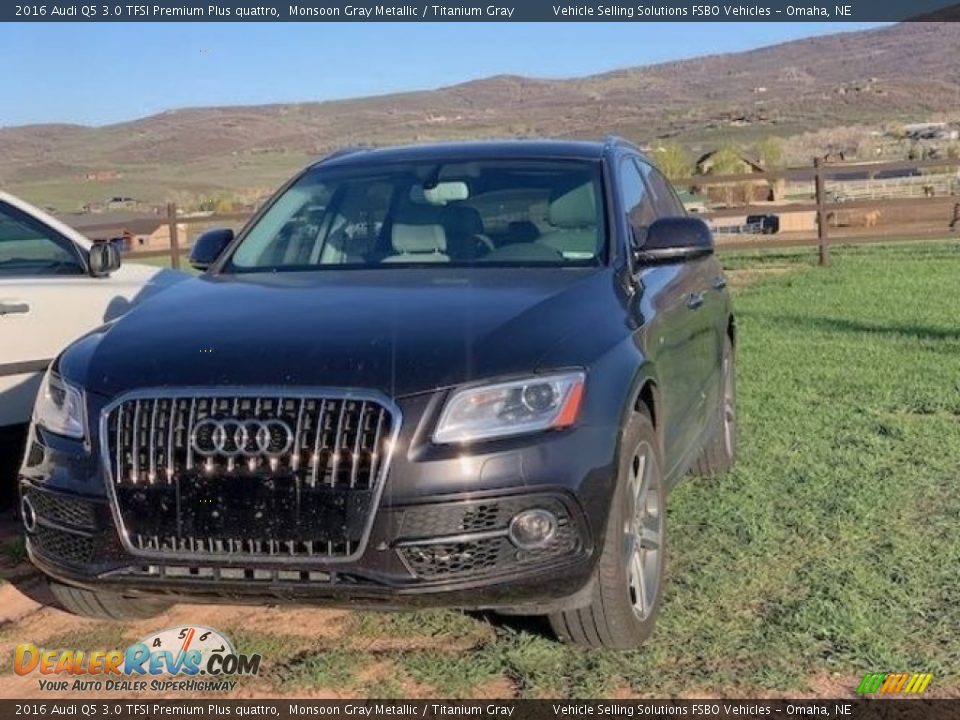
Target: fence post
point(822, 222)
point(174, 236)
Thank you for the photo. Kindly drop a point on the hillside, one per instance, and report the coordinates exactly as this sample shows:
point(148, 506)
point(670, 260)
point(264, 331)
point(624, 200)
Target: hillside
point(904, 72)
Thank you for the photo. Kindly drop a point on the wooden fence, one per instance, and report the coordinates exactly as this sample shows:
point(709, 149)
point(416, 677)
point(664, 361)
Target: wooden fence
point(825, 208)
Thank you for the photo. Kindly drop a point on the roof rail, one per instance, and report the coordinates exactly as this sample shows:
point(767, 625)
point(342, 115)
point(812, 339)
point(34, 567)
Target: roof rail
point(612, 139)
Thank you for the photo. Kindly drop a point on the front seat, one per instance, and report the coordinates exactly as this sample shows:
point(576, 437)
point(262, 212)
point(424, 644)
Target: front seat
point(418, 243)
point(573, 220)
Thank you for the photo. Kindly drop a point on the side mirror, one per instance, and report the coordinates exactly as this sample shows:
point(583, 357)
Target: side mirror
point(209, 246)
point(675, 239)
point(103, 258)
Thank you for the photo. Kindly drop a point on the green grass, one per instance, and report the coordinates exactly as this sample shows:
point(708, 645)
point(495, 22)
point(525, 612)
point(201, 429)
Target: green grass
point(450, 674)
point(449, 624)
point(269, 646)
point(333, 669)
point(831, 550)
point(245, 175)
point(16, 550)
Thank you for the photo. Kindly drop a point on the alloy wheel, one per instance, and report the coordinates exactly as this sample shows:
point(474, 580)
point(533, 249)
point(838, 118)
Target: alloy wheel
point(729, 406)
point(643, 531)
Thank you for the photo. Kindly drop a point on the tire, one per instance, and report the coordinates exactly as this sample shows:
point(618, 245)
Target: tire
point(617, 616)
point(720, 453)
point(105, 605)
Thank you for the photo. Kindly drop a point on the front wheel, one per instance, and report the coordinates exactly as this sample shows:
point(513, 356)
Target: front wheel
point(105, 605)
point(629, 583)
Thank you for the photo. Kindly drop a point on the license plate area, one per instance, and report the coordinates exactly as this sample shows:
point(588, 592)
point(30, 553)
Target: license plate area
point(245, 516)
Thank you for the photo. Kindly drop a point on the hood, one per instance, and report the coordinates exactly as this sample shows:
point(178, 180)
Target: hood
point(135, 272)
point(399, 332)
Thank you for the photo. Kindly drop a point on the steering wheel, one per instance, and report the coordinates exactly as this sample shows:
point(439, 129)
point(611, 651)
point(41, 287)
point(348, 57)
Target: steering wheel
point(483, 241)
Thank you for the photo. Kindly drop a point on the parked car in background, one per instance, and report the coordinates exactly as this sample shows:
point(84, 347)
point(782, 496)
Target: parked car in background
point(764, 224)
point(460, 375)
point(55, 285)
point(754, 225)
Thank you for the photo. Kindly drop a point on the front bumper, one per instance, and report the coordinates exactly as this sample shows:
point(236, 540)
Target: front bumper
point(438, 537)
point(416, 557)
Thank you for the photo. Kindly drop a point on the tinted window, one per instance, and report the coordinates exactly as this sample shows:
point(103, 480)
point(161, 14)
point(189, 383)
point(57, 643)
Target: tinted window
point(636, 199)
point(513, 212)
point(664, 198)
point(28, 247)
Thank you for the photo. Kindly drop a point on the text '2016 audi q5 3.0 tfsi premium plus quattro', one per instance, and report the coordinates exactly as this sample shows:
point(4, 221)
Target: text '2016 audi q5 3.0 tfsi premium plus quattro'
point(463, 375)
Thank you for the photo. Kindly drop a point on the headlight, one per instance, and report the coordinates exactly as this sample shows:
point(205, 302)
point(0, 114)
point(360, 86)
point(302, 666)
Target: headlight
point(511, 408)
point(59, 407)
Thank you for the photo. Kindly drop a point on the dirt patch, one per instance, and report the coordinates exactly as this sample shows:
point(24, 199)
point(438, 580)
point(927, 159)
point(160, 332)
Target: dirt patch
point(382, 679)
point(496, 689)
point(314, 622)
point(16, 605)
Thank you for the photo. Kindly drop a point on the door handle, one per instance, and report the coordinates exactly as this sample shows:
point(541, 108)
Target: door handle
point(720, 283)
point(14, 307)
point(695, 301)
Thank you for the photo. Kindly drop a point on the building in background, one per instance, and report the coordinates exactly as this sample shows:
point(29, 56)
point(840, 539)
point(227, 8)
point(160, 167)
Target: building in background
point(134, 232)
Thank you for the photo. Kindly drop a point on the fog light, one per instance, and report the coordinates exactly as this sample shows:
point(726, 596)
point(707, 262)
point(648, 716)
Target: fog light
point(532, 528)
point(28, 514)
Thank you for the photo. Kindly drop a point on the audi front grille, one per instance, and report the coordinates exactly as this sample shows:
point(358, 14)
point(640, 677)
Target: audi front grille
point(247, 474)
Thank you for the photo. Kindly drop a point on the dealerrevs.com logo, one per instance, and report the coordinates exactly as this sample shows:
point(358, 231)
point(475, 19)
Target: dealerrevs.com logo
point(190, 658)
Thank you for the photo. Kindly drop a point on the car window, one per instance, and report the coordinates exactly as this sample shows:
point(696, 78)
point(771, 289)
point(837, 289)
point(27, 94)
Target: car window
point(30, 248)
point(636, 200)
point(665, 200)
point(511, 212)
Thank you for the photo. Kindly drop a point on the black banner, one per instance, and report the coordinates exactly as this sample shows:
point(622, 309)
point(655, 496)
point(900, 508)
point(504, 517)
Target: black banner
point(495, 11)
point(914, 709)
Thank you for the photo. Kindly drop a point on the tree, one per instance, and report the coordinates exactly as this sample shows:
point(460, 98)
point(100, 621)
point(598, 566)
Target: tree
point(673, 161)
point(727, 160)
point(770, 152)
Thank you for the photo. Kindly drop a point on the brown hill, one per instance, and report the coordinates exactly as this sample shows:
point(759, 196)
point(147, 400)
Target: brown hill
point(904, 72)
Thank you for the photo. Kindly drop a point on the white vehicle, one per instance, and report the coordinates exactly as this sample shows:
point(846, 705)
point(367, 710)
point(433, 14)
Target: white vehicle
point(55, 285)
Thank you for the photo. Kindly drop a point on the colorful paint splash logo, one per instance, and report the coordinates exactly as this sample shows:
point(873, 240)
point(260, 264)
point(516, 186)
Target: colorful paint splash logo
point(894, 683)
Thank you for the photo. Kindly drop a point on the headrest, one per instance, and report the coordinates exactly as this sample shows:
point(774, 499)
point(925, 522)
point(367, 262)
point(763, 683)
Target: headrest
point(462, 220)
point(409, 238)
point(574, 209)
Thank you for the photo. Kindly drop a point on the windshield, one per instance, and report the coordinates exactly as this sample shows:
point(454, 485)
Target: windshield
point(512, 212)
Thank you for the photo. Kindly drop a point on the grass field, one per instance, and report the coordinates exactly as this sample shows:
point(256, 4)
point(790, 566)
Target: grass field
point(832, 550)
point(833, 547)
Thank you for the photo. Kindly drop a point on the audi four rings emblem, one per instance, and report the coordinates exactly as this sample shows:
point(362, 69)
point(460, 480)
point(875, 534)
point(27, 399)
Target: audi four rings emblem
point(249, 438)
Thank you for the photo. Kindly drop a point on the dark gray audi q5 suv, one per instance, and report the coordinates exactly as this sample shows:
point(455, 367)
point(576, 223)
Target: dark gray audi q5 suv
point(463, 375)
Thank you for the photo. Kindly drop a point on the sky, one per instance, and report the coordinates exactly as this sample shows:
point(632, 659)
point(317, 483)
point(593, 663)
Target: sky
point(97, 74)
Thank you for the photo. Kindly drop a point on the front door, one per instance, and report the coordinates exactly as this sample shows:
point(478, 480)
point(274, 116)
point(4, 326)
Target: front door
point(47, 299)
